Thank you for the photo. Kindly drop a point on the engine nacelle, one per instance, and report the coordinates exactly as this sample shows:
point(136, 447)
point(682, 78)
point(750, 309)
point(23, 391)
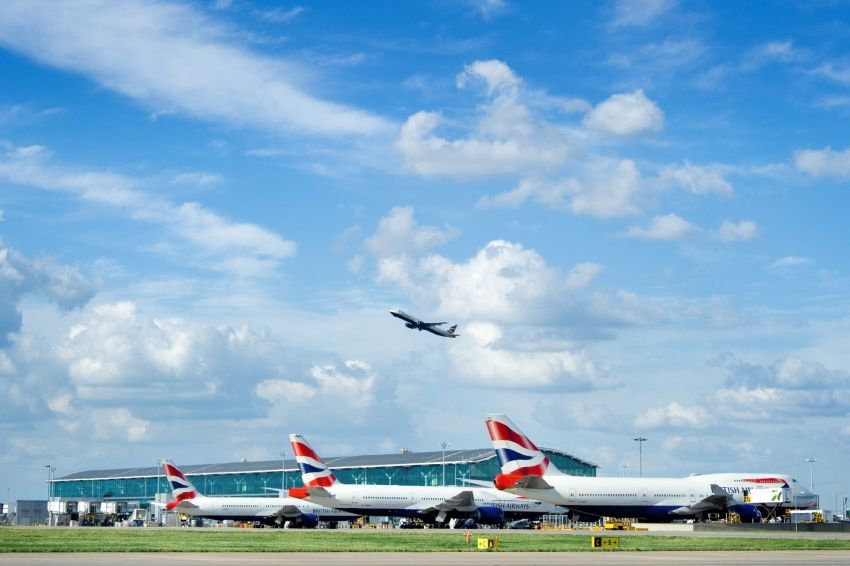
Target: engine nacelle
point(307, 521)
point(748, 513)
point(489, 515)
point(410, 325)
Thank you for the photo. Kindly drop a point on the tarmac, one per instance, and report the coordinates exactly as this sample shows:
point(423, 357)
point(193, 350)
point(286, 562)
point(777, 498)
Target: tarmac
point(819, 557)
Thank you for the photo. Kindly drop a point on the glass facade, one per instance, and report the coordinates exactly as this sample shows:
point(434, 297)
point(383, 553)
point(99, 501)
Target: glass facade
point(255, 483)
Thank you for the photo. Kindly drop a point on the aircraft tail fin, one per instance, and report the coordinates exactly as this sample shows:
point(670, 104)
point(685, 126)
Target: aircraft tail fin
point(314, 472)
point(181, 488)
point(518, 456)
point(451, 331)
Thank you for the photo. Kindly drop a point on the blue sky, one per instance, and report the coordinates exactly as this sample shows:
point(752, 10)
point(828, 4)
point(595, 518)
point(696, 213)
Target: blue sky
point(636, 213)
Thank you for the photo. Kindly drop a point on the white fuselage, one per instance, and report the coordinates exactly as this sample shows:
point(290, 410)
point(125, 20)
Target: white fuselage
point(258, 508)
point(658, 498)
point(412, 501)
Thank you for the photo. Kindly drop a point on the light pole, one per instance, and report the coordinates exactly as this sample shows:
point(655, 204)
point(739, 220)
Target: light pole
point(624, 467)
point(283, 472)
point(444, 445)
point(49, 518)
point(811, 462)
point(640, 440)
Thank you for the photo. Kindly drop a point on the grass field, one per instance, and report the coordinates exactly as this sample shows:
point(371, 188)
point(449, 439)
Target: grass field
point(43, 539)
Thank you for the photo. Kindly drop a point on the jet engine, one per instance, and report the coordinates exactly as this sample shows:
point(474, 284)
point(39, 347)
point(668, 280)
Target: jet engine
point(307, 521)
point(489, 515)
point(410, 325)
point(748, 513)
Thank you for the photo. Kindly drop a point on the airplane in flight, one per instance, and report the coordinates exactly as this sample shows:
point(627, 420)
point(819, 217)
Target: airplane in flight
point(412, 322)
point(432, 504)
point(274, 511)
point(527, 471)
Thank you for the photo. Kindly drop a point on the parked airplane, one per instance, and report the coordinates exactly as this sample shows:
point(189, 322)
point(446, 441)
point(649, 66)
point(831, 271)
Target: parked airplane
point(275, 511)
point(412, 322)
point(430, 503)
point(527, 471)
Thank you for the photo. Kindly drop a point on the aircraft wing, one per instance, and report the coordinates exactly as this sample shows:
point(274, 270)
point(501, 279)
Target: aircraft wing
point(289, 512)
point(463, 502)
point(532, 482)
point(718, 500)
point(317, 491)
point(432, 323)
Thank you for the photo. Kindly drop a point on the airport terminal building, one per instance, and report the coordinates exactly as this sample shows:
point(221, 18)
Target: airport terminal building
point(120, 489)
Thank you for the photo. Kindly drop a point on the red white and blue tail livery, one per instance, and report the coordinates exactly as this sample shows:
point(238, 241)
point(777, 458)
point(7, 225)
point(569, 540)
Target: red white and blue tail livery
point(520, 459)
point(314, 472)
point(181, 488)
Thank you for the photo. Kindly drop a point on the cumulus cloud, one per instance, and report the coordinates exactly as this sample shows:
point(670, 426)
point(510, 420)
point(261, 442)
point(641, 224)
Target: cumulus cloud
point(667, 227)
point(823, 162)
point(626, 114)
point(174, 58)
point(502, 282)
point(116, 352)
point(62, 285)
point(611, 189)
point(695, 179)
point(787, 386)
point(674, 416)
point(485, 358)
point(329, 386)
point(399, 233)
point(223, 245)
point(507, 138)
point(732, 232)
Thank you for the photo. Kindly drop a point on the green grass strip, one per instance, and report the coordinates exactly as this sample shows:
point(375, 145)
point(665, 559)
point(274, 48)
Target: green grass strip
point(43, 539)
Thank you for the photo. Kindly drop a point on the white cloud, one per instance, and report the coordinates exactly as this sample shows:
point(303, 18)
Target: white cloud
point(353, 388)
point(115, 352)
point(551, 194)
point(611, 189)
point(174, 58)
point(485, 358)
point(787, 264)
point(489, 8)
point(731, 232)
point(399, 233)
point(674, 416)
point(695, 179)
point(62, 285)
point(626, 114)
point(431, 155)
point(639, 13)
point(823, 163)
point(502, 282)
point(506, 139)
point(667, 227)
point(218, 243)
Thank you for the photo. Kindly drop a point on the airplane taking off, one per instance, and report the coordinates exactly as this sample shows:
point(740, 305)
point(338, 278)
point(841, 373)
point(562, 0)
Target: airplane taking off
point(527, 471)
point(412, 322)
point(274, 511)
point(430, 503)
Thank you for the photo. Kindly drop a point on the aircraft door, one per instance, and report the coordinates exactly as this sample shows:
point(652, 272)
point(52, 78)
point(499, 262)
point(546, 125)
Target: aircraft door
point(692, 495)
point(644, 498)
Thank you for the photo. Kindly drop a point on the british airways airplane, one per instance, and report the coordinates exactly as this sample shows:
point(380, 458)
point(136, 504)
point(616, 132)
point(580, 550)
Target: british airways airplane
point(275, 511)
point(432, 504)
point(412, 322)
point(527, 471)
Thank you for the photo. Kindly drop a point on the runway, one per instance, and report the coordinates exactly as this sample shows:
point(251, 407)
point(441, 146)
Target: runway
point(817, 557)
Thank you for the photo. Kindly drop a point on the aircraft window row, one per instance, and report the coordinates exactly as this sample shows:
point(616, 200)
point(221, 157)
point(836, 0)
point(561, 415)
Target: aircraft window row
point(383, 498)
point(670, 495)
point(608, 495)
